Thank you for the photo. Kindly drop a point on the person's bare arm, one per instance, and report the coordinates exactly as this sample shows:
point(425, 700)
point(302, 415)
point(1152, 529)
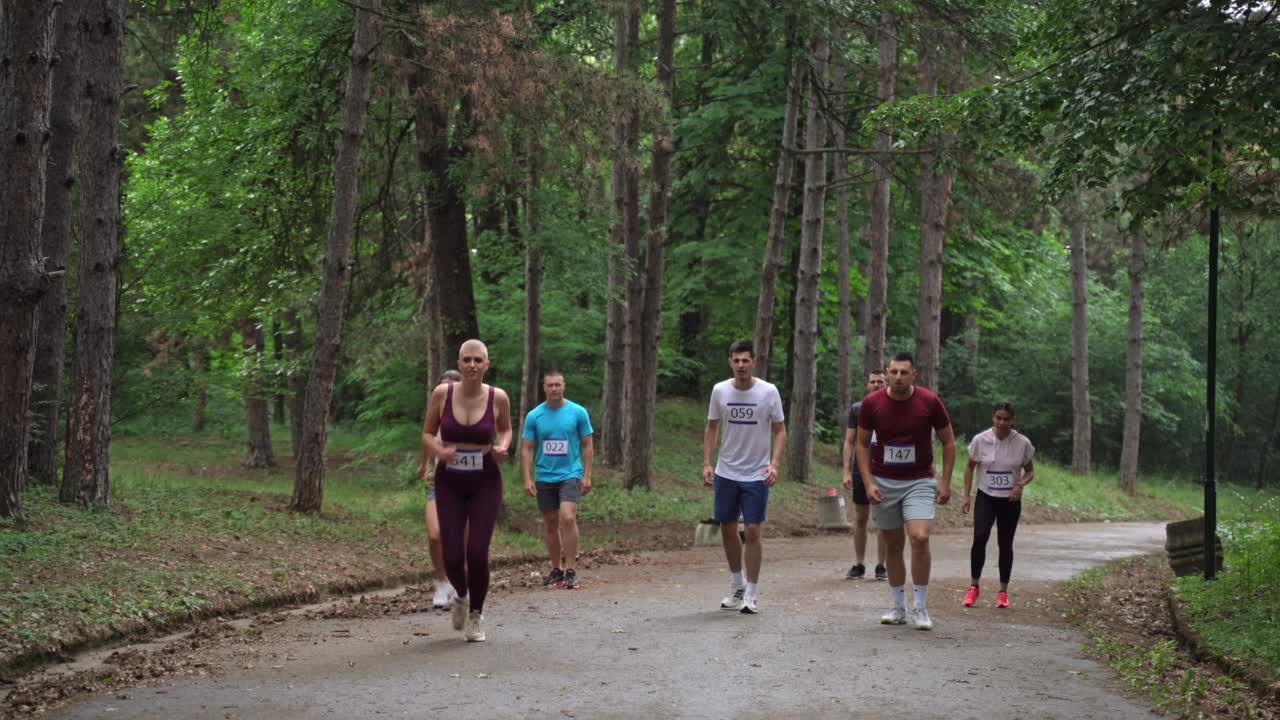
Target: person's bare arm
point(968, 485)
point(1028, 472)
point(948, 437)
point(588, 454)
point(779, 446)
point(502, 418)
point(850, 441)
point(431, 445)
point(526, 463)
point(863, 452)
point(708, 445)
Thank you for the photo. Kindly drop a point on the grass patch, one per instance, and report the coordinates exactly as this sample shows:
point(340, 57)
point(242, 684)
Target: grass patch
point(1238, 614)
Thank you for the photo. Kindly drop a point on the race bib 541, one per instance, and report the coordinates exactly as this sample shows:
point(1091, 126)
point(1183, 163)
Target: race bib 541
point(467, 461)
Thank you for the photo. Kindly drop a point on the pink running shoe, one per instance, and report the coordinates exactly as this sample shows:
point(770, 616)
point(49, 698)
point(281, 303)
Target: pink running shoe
point(1002, 599)
point(971, 597)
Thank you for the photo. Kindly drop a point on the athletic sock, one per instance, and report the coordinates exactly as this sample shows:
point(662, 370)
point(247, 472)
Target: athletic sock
point(899, 595)
point(751, 589)
point(919, 596)
point(737, 580)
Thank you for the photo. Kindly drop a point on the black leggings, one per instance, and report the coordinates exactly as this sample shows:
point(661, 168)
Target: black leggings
point(1003, 514)
point(462, 499)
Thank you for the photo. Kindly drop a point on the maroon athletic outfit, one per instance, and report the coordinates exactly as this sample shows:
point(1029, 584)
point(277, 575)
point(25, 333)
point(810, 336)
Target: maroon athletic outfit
point(468, 496)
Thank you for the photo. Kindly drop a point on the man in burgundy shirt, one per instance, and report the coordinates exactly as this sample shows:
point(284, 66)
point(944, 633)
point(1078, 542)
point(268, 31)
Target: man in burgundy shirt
point(899, 479)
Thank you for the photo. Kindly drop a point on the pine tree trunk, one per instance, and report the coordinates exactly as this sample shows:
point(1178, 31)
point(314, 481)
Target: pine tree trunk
point(26, 48)
point(623, 240)
point(102, 74)
point(643, 381)
point(876, 312)
point(805, 384)
point(51, 316)
point(437, 359)
point(258, 451)
point(308, 482)
point(844, 330)
point(765, 311)
point(530, 371)
point(200, 379)
point(1133, 366)
point(277, 352)
point(1082, 432)
point(935, 195)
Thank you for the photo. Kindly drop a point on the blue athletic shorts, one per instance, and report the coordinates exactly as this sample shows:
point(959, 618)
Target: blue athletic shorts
point(746, 498)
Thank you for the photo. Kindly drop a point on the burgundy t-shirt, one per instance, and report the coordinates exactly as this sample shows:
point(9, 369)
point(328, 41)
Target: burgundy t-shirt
point(904, 432)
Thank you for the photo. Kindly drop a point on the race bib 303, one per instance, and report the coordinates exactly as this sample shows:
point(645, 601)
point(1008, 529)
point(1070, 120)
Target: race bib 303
point(1000, 482)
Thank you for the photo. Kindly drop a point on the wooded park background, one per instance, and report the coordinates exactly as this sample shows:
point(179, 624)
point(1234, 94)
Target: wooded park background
point(229, 213)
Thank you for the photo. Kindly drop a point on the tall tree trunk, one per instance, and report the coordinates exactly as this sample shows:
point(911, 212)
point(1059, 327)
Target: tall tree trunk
point(844, 329)
point(1133, 366)
point(1268, 452)
point(876, 318)
point(277, 352)
point(51, 316)
point(935, 196)
point(765, 311)
point(530, 371)
point(643, 379)
point(26, 48)
point(200, 373)
point(437, 357)
point(308, 482)
point(625, 195)
point(295, 346)
point(1081, 426)
point(102, 44)
point(805, 384)
point(258, 452)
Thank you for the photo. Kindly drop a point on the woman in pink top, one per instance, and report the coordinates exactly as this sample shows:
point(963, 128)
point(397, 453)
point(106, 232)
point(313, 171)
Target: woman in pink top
point(1002, 459)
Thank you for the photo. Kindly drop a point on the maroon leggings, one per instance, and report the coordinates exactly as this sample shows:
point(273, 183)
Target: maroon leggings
point(462, 498)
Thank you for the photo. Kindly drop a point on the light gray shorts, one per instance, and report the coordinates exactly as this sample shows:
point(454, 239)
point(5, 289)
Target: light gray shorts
point(903, 500)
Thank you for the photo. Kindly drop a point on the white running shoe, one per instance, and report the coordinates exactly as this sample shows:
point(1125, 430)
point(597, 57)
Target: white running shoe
point(734, 601)
point(445, 594)
point(749, 605)
point(920, 618)
point(895, 616)
point(459, 612)
point(474, 631)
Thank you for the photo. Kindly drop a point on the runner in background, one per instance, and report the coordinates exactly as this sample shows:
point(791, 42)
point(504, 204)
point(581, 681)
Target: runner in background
point(853, 481)
point(445, 593)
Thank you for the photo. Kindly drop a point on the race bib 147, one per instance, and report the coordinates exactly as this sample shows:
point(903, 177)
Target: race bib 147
point(899, 454)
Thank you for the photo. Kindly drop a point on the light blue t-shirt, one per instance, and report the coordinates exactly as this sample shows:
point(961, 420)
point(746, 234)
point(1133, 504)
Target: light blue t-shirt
point(557, 440)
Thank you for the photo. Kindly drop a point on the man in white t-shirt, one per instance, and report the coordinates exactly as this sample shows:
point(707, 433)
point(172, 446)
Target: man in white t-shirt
point(747, 466)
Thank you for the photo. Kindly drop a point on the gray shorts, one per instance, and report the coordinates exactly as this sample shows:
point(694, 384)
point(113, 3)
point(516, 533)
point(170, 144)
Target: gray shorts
point(551, 494)
point(903, 500)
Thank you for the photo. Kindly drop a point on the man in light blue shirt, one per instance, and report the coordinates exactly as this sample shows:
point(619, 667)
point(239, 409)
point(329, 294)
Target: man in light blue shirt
point(556, 448)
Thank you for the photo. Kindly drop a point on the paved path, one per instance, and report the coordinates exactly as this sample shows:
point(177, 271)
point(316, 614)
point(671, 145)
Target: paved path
point(646, 641)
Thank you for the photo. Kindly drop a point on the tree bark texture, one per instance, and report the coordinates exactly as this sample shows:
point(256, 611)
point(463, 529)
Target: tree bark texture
point(844, 330)
point(295, 347)
point(437, 358)
point(530, 371)
point(1133, 366)
point(623, 238)
point(51, 316)
point(1081, 425)
point(935, 196)
point(805, 383)
point(101, 158)
point(777, 234)
point(876, 310)
point(258, 451)
point(277, 352)
point(643, 375)
point(26, 48)
point(308, 484)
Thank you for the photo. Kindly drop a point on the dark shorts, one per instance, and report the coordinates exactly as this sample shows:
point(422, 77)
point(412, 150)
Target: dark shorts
point(859, 491)
point(551, 494)
point(733, 498)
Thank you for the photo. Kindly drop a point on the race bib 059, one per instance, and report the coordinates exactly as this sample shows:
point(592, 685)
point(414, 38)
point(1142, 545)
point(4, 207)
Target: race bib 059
point(899, 454)
point(467, 461)
point(558, 448)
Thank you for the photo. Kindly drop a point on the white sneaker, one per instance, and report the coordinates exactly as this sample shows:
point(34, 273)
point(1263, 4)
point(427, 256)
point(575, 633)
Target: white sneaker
point(474, 631)
point(445, 594)
point(920, 618)
point(734, 601)
point(459, 612)
point(895, 616)
point(749, 605)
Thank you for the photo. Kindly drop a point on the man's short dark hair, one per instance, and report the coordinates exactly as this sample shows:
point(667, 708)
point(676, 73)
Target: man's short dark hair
point(742, 346)
point(551, 372)
point(1004, 405)
point(449, 376)
point(904, 357)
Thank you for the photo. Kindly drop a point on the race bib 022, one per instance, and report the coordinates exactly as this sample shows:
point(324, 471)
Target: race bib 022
point(467, 461)
point(899, 454)
point(557, 448)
